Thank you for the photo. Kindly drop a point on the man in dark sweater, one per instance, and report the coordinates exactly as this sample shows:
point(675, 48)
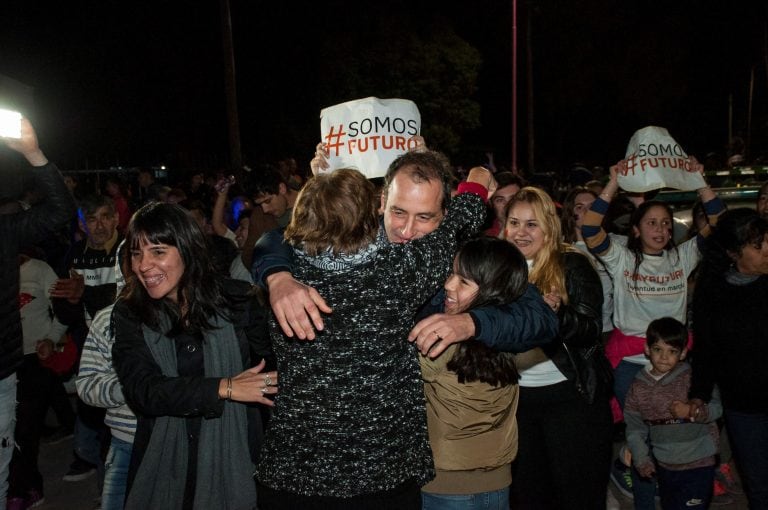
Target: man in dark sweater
point(16, 230)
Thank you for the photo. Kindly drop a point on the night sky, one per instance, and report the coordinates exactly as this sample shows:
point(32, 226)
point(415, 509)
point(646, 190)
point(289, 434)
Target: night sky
point(125, 84)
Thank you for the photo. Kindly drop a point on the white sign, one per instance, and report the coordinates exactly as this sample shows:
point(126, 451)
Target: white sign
point(368, 134)
point(655, 160)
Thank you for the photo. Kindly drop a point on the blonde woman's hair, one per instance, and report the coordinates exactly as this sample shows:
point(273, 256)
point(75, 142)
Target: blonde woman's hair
point(548, 269)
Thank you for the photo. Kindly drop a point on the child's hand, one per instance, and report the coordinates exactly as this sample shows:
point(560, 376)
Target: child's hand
point(680, 409)
point(695, 406)
point(647, 470)
point(44, 348)
point(553, 299)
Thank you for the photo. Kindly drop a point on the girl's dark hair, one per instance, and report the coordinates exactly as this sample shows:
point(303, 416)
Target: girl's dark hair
point(501, 273)
point(617, 216)
point(200, 291)
point(635, 244)
point(736, 228)
point(668, 330)
point(696, 210)
point(567, 218)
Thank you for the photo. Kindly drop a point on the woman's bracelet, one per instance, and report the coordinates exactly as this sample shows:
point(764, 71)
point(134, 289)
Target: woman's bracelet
point(229, 388)
point(605, 196)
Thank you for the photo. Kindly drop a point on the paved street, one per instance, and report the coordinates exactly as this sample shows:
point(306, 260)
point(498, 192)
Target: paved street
point(60, 495)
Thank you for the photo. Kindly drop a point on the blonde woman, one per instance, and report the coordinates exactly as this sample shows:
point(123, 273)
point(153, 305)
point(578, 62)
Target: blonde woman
point(563, 417)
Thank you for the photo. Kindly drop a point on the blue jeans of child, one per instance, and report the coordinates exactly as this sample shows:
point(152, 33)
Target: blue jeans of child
point(494, 500)
point(643, 489)
point(748, 433)
point(116, 474)
point(689, 488)
point(7, 426)
point(623, 375)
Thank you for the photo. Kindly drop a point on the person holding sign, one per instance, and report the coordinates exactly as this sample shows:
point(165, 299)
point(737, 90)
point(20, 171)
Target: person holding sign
point(650, 276)
point(416, 191)
point(350, 429)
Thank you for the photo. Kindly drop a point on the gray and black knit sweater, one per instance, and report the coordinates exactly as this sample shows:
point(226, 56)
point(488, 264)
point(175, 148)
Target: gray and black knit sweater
point(350, 417)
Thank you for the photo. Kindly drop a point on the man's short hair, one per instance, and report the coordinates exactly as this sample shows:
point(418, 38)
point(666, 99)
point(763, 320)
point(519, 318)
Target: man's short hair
point(192, 204)
point(504, 179)
point(266, 180)
point(90, 204)
point(668, 330)
point(424, 166)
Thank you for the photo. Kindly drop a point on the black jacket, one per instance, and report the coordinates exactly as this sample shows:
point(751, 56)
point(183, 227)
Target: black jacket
point(150, 394)
point(730, 327)
point(16, 231)
point(578, 353)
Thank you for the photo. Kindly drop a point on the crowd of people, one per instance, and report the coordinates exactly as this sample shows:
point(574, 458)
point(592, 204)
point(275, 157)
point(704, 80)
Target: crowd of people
point(413, 342)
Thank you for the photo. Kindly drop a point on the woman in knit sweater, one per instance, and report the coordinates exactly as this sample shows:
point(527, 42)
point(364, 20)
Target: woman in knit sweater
point(349, 428)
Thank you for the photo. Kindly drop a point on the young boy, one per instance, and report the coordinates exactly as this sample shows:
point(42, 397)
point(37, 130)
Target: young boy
point(658, 428)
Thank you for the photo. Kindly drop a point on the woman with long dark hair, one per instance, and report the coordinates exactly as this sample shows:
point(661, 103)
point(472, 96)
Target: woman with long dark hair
point(471, 389)
point(575, 207)
point(182, 357)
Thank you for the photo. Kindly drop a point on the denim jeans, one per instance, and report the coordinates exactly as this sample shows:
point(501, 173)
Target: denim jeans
point(494, 500)
point(116, 474)
point(7, 426)
point(89, 426)
point(643, 489)
point(623, 375)
point(748, 433)
point(689, 488)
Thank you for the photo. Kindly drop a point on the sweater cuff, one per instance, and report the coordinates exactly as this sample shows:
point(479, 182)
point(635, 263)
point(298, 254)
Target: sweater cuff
point(473, 187)
point(262, 279)
point(478, 327)
point(714, 207)
point(600, 206)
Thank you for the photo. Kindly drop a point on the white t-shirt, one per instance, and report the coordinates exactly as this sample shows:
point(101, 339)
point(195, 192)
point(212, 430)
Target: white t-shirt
point(605, 280)
point(37, 320)
point(545, 373)
point(660, 288)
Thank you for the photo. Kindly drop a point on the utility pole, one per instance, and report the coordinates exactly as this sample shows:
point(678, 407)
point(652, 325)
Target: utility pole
point(531, 134)
point(230, 90)
point(514, 87)
point(749, 114)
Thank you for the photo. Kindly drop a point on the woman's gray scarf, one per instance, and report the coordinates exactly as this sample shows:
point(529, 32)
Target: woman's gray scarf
point(224, 466)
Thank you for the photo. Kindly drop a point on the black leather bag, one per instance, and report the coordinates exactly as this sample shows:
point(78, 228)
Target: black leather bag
point(594, 374)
